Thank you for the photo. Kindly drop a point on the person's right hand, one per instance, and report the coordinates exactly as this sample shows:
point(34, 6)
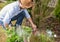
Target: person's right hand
point(34, 29)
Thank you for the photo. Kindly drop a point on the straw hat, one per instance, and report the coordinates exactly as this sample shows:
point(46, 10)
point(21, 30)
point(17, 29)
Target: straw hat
point(26, 3)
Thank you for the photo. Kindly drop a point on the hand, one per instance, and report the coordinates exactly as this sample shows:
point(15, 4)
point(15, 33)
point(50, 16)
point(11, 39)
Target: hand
point(34, 28)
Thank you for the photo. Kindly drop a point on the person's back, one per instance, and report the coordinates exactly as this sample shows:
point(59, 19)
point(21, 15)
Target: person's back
point(12, 6)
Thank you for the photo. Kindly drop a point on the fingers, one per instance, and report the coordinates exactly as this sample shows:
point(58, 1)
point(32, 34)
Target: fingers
point(34, 31)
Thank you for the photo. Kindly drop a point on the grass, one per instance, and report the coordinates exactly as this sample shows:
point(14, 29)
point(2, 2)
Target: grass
point(2, 35)
point(2, 5)
point(13, 37)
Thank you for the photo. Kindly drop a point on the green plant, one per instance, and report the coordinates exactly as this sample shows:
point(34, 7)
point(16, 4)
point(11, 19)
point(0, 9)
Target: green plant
point(44, 38)
point(57, 10)
point(40, 38)
point(13, 37)
point(4, 4)
point(40, 11)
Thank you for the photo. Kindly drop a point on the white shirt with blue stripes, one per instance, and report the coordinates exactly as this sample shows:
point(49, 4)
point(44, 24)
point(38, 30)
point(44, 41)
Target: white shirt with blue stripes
point(10, 11)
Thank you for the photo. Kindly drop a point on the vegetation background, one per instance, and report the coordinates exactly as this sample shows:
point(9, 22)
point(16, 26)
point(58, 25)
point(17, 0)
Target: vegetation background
point(45, 14)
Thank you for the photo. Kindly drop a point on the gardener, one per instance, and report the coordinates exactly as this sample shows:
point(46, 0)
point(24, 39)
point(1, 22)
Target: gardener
point(16, 11)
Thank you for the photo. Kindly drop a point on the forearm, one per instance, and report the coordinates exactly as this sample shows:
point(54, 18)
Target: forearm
point(30, 20)
point(34, 27)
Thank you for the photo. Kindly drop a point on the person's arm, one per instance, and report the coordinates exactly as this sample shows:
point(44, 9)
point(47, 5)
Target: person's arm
point(34, 27)
point(30, 20)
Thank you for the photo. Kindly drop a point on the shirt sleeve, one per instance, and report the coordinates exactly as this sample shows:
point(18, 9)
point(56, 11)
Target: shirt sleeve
point(8, 16)
point(26, 14)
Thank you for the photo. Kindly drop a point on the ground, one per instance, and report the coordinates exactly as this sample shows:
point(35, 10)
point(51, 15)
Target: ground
point(2, 35)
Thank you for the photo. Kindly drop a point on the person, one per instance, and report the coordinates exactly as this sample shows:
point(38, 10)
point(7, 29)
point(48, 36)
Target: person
point(16, 11)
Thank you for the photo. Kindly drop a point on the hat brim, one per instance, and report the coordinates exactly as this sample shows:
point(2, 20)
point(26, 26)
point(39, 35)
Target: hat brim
point(28, 6)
